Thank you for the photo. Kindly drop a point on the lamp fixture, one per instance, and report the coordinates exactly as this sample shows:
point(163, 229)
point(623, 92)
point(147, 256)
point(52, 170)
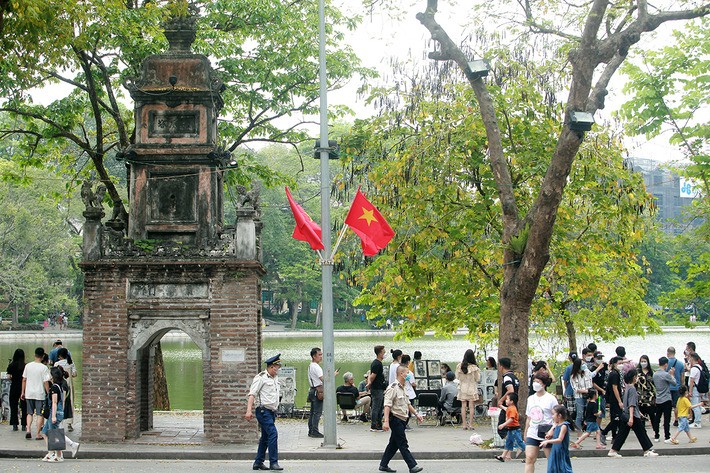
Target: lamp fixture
point(478, 69)
point(333, 149)
point(580, 121)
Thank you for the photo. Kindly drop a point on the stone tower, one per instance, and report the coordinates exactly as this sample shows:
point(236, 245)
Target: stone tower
point(176, 265)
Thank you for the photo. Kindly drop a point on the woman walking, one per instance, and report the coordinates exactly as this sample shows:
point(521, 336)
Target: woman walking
point(56, 415)
point(468, 374)
point(67, 364)
point(14, 371)
point(646, 390)
point(539, 419)
point(631, 420)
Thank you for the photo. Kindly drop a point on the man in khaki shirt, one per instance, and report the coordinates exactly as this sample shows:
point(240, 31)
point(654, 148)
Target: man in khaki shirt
point(397, 410)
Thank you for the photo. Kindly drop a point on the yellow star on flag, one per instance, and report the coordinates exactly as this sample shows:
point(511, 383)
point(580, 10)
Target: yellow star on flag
point(368, 216)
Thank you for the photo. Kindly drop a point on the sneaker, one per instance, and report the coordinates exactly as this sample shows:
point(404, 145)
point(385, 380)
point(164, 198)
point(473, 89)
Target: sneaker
point(74, 449)
point(363, 418)
point(613, 454)
point(656, 439)
point(345, 418)
point(28, 436)
point(70, 428)
point(48, 457)
point(693, 439)
point(316, 435)
point(695, 425)
point(14, 428)
point(667, 441)
point(650, 453)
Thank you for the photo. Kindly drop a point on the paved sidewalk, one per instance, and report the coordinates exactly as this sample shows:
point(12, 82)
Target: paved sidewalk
point(180, 436)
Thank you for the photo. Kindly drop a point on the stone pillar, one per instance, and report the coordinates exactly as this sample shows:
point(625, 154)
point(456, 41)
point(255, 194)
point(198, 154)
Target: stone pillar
point(92, 233)
point(246, 248)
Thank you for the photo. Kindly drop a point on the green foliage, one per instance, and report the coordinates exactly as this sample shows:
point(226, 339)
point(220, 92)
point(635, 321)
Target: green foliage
point(671, 91)
point(264, 52)
point(40, 247)
point(423, 165)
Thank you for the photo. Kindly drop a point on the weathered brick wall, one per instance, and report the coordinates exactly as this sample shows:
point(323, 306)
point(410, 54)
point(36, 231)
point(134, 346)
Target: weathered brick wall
point(114, 403)
point(105, 368)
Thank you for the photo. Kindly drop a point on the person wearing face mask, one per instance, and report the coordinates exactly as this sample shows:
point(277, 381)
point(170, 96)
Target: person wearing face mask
point(538, 419)
point(614, 392)
point(588, 358)
point(599, 382)
point(581, 380)
point(646, 389)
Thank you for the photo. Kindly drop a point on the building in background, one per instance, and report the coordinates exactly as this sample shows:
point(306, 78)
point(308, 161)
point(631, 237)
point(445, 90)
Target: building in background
point(674, 194)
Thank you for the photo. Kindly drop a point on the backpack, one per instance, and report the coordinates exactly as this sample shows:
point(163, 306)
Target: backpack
point(702, 385)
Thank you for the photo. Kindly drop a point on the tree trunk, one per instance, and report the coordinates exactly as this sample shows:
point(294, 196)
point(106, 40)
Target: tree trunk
point(319, 313)
point(513, 335)
point(571, 333)
point(293, 313)
point(15, 315)
point(160, 382)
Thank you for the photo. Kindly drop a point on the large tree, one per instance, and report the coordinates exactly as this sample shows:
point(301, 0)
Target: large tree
point(595, 39)
point(264, 52)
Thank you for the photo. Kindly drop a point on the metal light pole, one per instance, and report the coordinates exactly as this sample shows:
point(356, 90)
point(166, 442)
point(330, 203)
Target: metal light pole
point(329, 405)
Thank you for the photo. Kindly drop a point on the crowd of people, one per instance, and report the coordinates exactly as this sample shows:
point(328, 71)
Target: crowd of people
point(41, 396)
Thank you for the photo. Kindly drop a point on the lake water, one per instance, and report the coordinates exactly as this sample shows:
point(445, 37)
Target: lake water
point(183, 359)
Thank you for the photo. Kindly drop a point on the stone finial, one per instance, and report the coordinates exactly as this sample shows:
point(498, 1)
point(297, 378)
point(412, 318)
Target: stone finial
point(180, 32)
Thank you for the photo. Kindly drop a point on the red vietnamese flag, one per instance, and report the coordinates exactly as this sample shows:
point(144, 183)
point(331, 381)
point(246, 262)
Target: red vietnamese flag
point(306, 229)
point(369, 224)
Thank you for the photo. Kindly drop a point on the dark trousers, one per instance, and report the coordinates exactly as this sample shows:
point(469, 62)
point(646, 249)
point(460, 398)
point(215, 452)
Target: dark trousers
point(664, 409)
point(613, 425)
point(316, 412)
point(398, 441)
point(377, 408)
point(639, 428)
point(15, 403)
point(269, 437)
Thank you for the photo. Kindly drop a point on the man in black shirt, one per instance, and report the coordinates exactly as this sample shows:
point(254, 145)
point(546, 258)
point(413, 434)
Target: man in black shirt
point(361, 398)
point(614, 393)
point(377, 383)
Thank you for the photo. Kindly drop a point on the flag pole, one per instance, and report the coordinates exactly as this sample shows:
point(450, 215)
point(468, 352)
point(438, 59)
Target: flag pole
point(340, 238)
point(329, 406)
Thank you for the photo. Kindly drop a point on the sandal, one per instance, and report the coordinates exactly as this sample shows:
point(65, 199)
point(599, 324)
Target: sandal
point(576, 445)
point(601, 447)
point(500, 458)
point(48, 457)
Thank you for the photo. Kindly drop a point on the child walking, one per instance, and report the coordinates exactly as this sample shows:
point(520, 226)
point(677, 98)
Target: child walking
point(512, 424)
point(559, 461)
point(592, 417)
point(684, 408)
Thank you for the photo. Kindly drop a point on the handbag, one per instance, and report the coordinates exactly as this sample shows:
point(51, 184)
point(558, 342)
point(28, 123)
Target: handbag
point(543, 429)
point(55, 440)
point(320, 394)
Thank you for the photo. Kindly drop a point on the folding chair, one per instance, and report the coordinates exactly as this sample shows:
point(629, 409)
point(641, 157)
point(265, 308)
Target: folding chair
point(346, 401)
point(452, 416)
point(428, 402)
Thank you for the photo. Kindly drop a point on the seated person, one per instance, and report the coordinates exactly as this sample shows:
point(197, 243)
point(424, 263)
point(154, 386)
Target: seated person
point(448, 393)
point(362, 398)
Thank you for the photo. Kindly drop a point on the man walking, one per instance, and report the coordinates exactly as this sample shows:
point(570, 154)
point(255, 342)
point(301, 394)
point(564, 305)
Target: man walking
point(397, 410)
point(264, 392)
point(695, 372)
point(35, 386)
point(679, 374)
point(377, 385)
point(315, 380)
point(663, 381)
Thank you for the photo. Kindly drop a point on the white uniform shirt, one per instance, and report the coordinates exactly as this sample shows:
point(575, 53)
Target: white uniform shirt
point(266, 391)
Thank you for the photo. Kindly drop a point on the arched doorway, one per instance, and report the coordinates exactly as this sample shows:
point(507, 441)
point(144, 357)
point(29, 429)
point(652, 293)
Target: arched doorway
point(145, 337)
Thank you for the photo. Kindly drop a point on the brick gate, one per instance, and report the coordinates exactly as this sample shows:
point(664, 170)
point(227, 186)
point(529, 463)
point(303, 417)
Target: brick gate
point(173, 264)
